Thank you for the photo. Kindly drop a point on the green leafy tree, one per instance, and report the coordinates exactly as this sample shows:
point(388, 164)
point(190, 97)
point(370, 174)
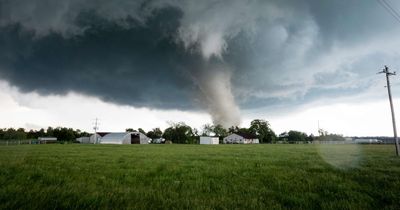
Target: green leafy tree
point(297, 136)
point(12, 134)
point(331, 137)
point(155, 133)
point(207, 129)
point(50, 132)
point(21, 134)
point(32, 134)
point(141, 130)
point(262, 129)
point(2, 131)
point(64, 134)
point(220, 131)
point(179, 133)
point(283, 137)
point(40, 133)
point(233, 129)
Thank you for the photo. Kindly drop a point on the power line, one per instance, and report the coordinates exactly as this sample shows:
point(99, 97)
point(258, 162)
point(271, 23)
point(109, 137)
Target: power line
point(386, 5)
point(391, 8)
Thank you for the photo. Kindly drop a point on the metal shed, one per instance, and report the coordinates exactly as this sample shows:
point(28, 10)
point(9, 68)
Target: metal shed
point(125, 138)
point(209, 140)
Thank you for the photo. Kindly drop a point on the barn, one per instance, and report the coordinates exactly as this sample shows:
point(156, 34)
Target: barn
point(241, 138)
point(125, 138)
point(209, 140)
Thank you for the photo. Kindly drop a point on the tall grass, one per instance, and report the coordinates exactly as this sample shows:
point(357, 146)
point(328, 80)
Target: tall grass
point(199, 177)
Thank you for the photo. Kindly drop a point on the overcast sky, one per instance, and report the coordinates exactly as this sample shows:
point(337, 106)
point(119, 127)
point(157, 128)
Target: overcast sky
point(295, 63)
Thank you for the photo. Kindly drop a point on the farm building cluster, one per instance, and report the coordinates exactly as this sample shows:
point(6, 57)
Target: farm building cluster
point(116, 138)
point(140, 138)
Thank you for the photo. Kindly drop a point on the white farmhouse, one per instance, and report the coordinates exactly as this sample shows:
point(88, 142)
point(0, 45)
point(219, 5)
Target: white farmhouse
point(209, 140)
point(240, 138)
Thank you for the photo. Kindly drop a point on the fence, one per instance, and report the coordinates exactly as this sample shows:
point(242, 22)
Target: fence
point(17, 142)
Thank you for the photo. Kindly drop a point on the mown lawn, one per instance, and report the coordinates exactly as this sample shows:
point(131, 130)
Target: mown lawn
point(199, 177)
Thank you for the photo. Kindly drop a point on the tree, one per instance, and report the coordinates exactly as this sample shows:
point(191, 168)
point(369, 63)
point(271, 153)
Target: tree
point(297, 136)
point(32, 134)
point(12, 134)
point(322, 132)
point(220, 131)
point(325, 136)
point(141, 130)
point(233, 129)
point(310, 138)
point(262, 129)
point(2, 131)
point(130, 130)
point(179, 133)
point(64, 134)
point(331, 137)
point(21, 134)
point(207, 129)
point(41, 133)
point(155, 133)
point(283, 137)
point(50, 132)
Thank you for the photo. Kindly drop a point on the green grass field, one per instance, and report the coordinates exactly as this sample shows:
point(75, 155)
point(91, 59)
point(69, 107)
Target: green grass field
point(199, 177)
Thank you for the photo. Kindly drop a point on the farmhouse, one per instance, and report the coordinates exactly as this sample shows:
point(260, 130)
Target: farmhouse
point(123, 138)
point(241, 138)
point(209, 140)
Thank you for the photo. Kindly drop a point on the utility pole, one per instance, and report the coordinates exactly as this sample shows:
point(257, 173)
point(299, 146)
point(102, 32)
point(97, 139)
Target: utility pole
point(388, 73)
point(95, 128)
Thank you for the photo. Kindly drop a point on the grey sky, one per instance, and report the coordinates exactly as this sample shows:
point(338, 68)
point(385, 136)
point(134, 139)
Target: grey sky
point(167, 54)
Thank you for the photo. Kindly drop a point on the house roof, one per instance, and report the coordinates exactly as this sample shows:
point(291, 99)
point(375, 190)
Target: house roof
point(246, 135)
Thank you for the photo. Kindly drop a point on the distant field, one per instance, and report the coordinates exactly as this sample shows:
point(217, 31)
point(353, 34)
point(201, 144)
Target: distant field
point(199, 177)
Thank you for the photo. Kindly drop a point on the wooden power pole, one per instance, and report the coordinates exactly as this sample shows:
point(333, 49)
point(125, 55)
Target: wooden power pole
point(388, 73)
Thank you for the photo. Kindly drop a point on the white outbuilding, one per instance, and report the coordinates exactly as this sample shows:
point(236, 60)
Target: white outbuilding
point(47, 140)
point(240, 138)
point(125, 138)
point(209, 140)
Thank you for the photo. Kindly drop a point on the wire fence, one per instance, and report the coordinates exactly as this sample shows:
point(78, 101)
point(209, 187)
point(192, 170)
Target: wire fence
point(17, 142)
point(31, 141)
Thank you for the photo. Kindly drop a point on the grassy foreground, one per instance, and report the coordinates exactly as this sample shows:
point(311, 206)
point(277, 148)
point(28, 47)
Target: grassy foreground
point(199, 177)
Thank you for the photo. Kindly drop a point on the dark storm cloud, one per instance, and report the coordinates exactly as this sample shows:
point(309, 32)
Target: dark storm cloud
point(138, 65)
point(176, 54)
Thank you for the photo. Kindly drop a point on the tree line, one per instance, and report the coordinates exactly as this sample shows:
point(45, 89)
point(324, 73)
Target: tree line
point(180, 133)
point(61, 133)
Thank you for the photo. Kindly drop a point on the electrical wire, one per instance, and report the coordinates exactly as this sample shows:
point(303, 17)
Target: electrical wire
point(386, 5)
point(391, 8)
